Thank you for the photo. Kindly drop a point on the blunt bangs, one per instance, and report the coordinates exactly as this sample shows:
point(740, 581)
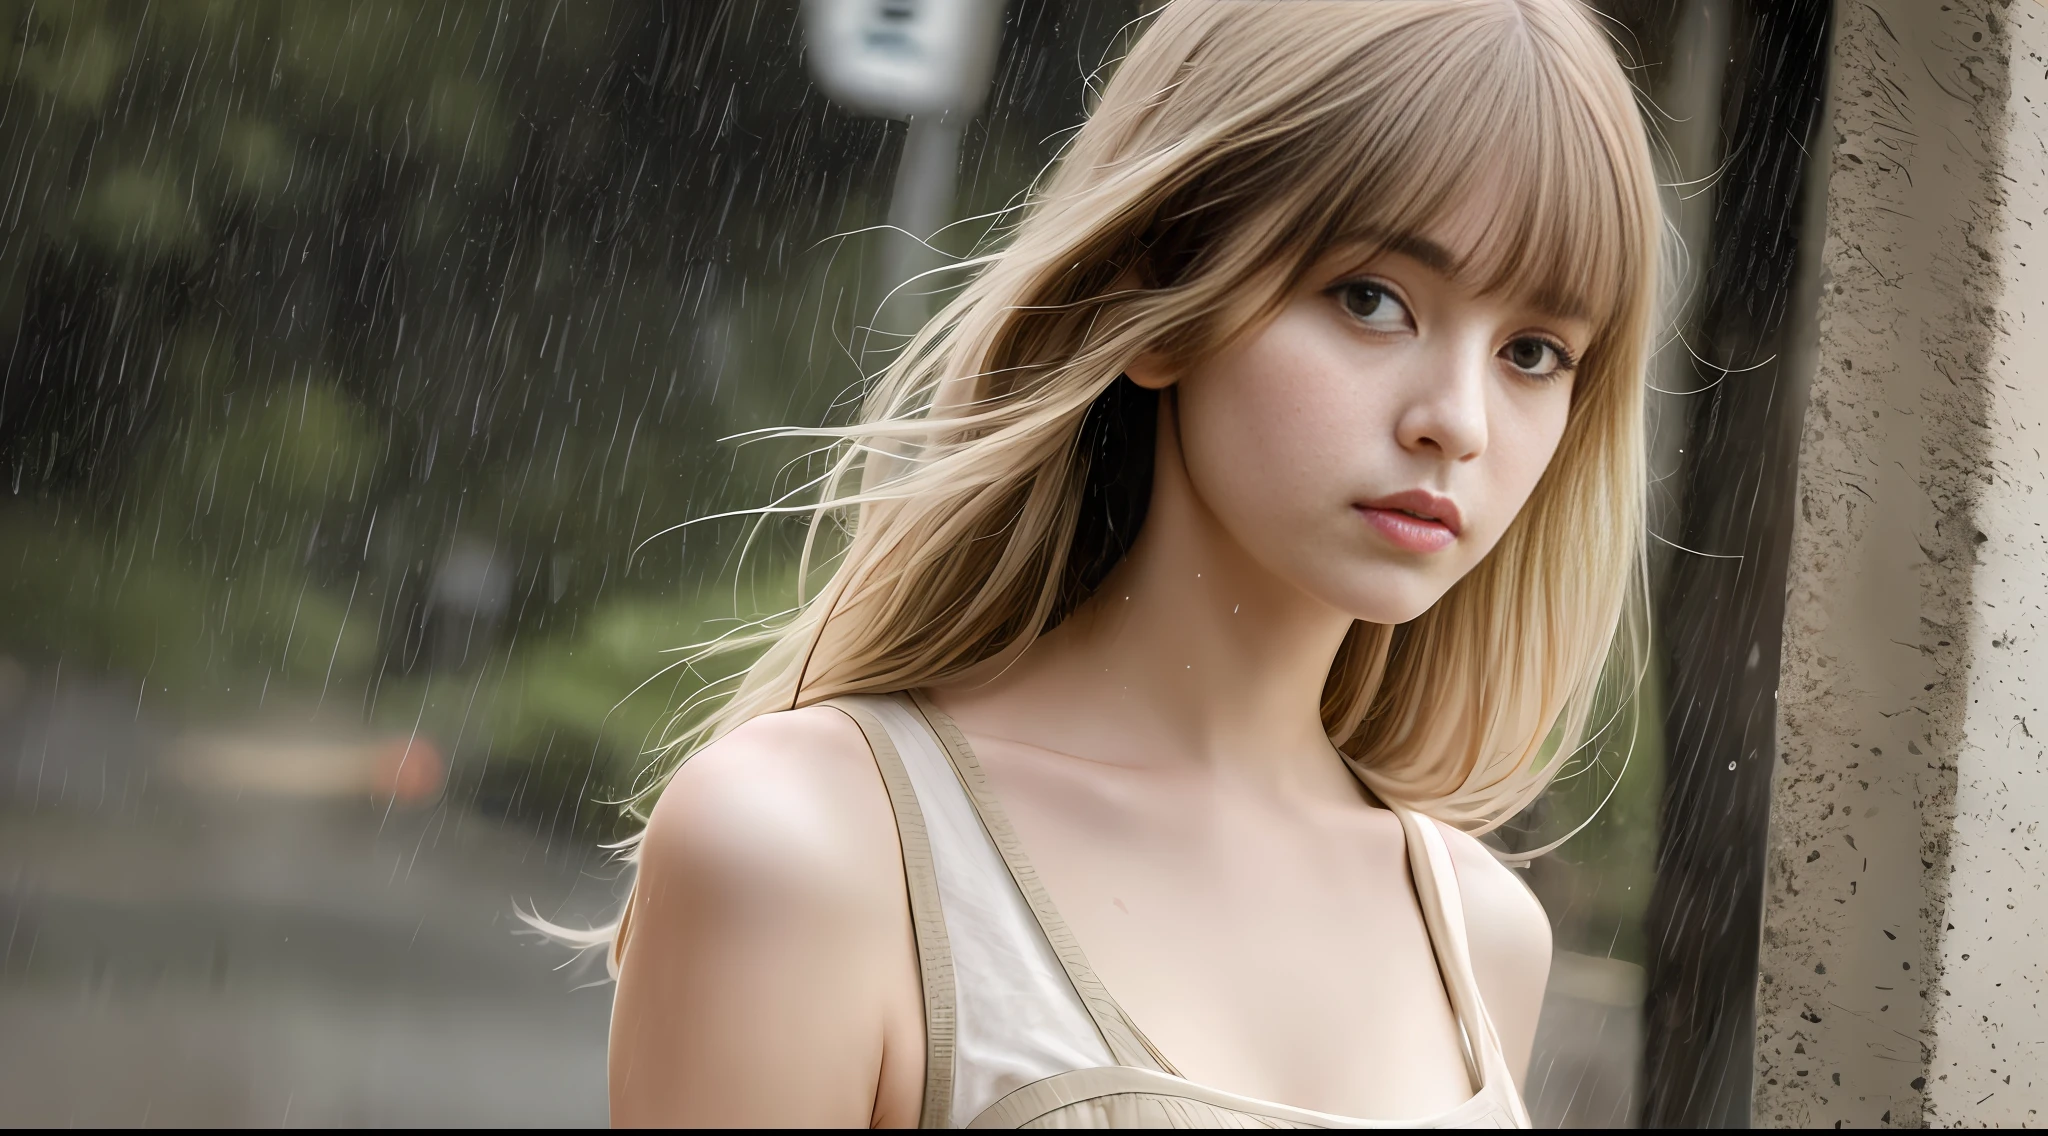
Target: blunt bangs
point(1502, 111)
point(1395, 113)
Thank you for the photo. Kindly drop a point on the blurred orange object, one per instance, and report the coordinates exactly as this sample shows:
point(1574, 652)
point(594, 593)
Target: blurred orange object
point(408, 770)
point(308, 765)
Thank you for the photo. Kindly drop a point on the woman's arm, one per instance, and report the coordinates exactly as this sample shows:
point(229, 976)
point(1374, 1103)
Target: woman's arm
point(769, 971)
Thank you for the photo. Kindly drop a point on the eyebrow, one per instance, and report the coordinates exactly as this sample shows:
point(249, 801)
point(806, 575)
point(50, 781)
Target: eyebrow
point(1432, 255)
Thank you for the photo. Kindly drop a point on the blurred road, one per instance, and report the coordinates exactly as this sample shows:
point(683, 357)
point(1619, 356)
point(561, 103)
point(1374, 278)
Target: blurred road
point(171, 958)
point(1589, 1045)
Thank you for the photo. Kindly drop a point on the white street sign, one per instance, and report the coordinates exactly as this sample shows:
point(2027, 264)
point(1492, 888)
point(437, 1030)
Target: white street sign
point(905, 58)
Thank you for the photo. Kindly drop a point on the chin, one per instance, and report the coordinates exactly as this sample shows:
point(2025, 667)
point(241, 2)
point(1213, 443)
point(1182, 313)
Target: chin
point(1382, 604)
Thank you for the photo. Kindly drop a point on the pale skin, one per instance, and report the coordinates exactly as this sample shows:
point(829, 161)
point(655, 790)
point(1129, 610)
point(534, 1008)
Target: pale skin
point(1160, 753)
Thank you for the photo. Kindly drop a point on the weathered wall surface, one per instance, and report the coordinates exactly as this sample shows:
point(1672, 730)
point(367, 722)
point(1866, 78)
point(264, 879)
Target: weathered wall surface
point(1990, 1026)
point(1883, 652)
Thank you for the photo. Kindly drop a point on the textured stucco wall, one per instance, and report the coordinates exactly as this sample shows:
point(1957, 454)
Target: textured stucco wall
point(1884, 639)
point(1906, 928)
point(1990, 1027)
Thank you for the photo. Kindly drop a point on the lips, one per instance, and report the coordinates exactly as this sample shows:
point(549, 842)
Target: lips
point(1414, 520)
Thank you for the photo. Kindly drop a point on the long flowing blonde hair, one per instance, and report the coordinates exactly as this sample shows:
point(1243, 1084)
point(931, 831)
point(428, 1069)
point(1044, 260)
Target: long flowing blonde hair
point(999, 466)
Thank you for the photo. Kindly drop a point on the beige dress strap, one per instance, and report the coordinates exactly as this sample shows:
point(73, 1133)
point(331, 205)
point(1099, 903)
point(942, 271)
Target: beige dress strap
point(1127, 1043)
point(1443, 912)
point(928, 921)
point(1016, 1017)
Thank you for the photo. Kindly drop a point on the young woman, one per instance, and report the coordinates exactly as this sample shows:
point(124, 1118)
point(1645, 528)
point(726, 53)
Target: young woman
point(1250, 532)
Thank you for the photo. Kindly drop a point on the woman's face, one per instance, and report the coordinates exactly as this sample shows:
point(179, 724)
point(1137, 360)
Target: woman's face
point(1373, 440)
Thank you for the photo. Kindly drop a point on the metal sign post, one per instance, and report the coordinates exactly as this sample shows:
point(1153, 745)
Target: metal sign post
point(928, 62)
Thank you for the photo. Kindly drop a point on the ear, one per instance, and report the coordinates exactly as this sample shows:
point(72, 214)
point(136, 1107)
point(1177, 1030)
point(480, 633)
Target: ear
point(1152, 370)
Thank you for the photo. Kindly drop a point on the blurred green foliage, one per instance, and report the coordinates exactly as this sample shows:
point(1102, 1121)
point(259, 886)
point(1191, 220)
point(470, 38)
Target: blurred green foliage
point(1604, 806)
point(354, 350)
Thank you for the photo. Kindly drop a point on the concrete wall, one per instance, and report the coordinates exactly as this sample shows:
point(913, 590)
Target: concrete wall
point(1906, 943)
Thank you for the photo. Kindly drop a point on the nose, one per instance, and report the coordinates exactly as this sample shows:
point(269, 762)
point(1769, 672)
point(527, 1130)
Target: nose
point(1447, 411)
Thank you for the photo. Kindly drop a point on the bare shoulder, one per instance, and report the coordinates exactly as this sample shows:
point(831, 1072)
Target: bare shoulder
point(769, 931)
point(786, 801)
point(1510, 938)
point(1505, 921)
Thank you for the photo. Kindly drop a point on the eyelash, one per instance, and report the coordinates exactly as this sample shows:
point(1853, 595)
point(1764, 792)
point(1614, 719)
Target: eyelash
point(1567, 363)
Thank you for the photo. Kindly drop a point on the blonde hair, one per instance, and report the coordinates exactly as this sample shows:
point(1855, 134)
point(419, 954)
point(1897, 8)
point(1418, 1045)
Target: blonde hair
point(987, 484)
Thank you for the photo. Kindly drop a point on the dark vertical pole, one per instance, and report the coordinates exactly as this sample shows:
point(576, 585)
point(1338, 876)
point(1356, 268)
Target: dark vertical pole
point(1722, 594)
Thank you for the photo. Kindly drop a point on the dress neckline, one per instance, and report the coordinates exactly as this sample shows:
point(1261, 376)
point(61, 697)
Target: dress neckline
point(1129, 1045)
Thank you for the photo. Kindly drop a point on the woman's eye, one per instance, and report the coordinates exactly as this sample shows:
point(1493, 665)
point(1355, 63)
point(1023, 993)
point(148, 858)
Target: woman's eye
point(1539, 358)
point(1372, 305)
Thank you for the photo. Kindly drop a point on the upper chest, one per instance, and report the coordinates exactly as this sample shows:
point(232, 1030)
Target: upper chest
point(1273, 951)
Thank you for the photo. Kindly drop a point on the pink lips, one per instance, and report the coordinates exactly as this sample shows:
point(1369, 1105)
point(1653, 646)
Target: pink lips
point(1415, 520)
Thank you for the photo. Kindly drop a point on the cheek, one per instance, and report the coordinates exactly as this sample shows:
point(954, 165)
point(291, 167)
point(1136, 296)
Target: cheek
point(1275, 433)
point(1526, 438)
point(1268, 427)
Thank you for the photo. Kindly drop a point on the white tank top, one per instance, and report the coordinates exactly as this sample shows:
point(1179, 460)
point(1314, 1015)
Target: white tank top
point(1020, 1033)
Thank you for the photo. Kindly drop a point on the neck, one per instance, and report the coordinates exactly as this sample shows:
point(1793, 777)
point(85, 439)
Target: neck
point(1190, 655)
